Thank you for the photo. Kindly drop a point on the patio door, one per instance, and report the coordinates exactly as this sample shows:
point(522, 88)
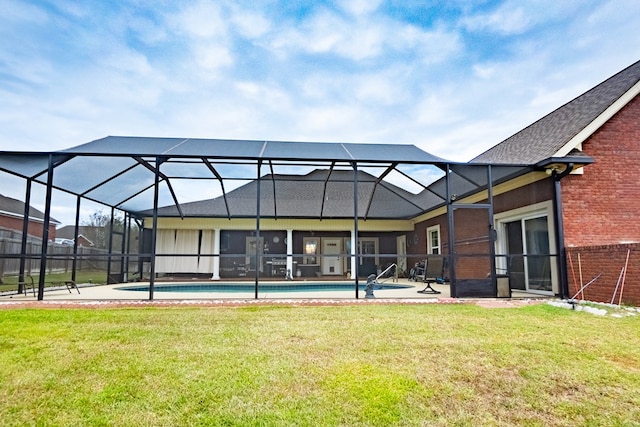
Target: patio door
point(331, 259)
point(368, 251)
point(527, 243)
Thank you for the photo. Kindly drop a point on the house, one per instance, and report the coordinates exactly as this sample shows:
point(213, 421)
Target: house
point(599, 203)
point(12, 213)
point(545, 211)
point(569, 219)
point(310, 214)
point(68, 232)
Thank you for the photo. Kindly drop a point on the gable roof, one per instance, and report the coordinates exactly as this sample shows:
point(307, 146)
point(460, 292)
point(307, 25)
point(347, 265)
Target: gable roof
point(306, 196)
point(15, 208)
point(561, 132)
point(68, 232)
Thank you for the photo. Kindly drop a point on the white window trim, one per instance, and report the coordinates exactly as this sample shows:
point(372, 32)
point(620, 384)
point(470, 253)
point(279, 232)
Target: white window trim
point(430, 248)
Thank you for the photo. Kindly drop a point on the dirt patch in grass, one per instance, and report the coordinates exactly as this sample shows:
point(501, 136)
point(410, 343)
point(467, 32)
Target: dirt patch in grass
point(502, 303)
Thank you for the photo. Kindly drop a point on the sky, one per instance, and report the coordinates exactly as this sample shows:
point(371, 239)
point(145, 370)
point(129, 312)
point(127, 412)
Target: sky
point(451, 77)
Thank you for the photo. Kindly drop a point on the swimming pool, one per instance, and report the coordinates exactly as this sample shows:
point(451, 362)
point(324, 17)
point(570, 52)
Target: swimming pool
point(263, 287)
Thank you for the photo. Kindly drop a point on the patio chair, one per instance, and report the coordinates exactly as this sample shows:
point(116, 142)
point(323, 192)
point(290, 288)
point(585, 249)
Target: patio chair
point(417, 272)
point(434, 267)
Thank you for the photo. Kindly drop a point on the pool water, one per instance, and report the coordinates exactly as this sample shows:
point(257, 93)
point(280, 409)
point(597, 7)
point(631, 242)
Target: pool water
point(262, 287)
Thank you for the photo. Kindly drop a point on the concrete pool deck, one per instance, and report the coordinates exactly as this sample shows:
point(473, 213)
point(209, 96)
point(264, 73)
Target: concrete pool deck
point(96, 294)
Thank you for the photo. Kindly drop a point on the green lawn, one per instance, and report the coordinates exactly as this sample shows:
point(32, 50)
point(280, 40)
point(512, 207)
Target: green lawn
point(361, 365)
point(10, 283)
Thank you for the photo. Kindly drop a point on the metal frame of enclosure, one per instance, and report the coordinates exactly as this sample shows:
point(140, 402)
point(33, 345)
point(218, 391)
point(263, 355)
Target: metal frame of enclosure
point(139, 176)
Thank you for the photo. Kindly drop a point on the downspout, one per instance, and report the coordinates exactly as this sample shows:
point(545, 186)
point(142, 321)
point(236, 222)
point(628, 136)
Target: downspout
point(558, 217)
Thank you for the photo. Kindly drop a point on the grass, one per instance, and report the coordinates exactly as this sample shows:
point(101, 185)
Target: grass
point(10, 283)
point(365, 365)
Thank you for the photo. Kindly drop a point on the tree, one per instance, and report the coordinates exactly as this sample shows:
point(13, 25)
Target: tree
point(97, 228)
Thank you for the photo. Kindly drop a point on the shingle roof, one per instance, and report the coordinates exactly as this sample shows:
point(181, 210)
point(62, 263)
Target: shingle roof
point(14, 207)
point(301, 196)
point(69, 232)
point(547, 136)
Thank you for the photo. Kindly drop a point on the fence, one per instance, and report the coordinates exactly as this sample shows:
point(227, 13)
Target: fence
point(59, 258)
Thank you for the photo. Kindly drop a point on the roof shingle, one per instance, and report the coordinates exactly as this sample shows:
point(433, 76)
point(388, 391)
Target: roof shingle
point(545, 137)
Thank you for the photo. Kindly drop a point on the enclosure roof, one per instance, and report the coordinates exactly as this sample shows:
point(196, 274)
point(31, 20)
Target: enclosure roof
point(254, 150)
point(564, 129)
point(120, 171)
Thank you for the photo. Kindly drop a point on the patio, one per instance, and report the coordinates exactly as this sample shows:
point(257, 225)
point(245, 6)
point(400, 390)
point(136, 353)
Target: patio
point(409, 294)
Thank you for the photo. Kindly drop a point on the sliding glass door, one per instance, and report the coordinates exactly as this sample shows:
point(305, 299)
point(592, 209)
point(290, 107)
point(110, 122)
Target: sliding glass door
point(528, 253)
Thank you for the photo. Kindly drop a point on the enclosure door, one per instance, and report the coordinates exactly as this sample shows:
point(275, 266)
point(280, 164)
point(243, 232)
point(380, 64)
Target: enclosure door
point(331, 260)
point(530, 271)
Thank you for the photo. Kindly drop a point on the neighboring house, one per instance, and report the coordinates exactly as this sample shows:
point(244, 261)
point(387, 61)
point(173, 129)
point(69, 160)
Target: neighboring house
point(12, 215)
point(68, 232)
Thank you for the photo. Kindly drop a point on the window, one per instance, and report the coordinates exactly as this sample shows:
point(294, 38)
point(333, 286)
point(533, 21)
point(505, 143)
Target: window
point(433, 240)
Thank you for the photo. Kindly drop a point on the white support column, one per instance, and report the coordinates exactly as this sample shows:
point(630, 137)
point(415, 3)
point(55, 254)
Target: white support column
point(216, 251)
point(289, 252)
point(354, 248)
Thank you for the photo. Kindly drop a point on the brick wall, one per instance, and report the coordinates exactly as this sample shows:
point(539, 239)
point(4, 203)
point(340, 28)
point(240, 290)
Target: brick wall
point(472, 227)
point(601, 207)
point(608, 260)
point(35, 228)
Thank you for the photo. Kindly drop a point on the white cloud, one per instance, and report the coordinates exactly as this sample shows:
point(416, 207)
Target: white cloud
point(211, 56)
point(14, 12)
point(128, 61)
point(381, 89)
point(266, 97)
point(365, 39)
point(202, 19)
point(437, 109)
point(507, 19)
point(484, 71)
point(250, 24)
point(148, 31)
point(359, 7)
